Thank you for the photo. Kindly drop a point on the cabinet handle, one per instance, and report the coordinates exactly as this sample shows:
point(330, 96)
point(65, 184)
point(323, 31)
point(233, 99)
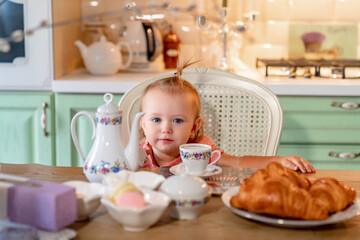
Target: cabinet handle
point(43, 118)
point(344, 155)
point(348, 105)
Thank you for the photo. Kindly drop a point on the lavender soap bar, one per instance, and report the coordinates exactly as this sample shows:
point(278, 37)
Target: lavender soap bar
point(45, 205)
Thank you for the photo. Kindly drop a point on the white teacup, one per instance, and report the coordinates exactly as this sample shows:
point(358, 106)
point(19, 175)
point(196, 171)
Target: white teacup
point(195, 157)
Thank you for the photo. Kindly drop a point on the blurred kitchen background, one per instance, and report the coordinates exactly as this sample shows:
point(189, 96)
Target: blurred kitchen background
point(305, 51)
point(255, 28)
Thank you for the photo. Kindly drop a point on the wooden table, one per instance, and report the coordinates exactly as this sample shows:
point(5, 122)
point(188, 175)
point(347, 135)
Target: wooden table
point(215, 221)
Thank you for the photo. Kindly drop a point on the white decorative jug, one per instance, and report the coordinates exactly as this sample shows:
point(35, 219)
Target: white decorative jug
point(104, 57)
point(108, 153)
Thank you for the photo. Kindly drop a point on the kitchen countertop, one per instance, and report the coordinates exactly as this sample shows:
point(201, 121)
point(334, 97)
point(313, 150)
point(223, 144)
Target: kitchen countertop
point(82, 82)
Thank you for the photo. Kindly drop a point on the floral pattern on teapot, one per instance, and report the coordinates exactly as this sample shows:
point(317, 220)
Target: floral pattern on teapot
point(108, 121)
point(105, 167)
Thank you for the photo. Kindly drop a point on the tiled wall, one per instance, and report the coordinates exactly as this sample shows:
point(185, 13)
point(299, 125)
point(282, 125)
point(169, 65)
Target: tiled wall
point(270, 33)
point(267, 36)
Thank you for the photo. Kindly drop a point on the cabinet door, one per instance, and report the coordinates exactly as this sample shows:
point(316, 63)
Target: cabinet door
point(22, 138)
point(319, 120)
point(319, 128)
point(326, 156)
point(67, 105)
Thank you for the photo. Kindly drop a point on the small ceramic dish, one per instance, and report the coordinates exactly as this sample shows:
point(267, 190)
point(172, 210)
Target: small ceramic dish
point(87, 197)
point(138, 219)
point(144, 179)
point(141, 179)
point(188, 195)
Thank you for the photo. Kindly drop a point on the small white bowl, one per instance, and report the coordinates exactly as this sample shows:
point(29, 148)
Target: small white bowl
point(138, 219)
point(145, 179)
point(141, 179)
point(92, 192)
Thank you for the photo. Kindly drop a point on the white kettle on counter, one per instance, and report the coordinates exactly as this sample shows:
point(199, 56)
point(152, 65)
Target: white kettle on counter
point(103, 57)
point(145, 41)
point(108, 153)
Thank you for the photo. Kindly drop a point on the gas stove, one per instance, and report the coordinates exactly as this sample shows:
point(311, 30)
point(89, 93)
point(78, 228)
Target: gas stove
point(307, 69)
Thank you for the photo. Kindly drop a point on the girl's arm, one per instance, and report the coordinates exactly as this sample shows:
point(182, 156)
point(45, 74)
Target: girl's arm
point(291, 161)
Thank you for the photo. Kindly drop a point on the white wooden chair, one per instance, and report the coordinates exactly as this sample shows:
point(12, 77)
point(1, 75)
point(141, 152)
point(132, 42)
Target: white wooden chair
point(242, 116)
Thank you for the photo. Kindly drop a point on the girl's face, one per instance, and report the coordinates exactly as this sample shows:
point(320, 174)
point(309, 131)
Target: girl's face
point(169, 120)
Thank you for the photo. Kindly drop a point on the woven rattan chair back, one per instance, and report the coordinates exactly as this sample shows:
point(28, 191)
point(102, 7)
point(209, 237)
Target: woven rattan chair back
point(242, 116)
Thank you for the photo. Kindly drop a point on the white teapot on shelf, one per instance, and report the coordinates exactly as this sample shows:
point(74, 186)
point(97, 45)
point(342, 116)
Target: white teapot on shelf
point(108, 153)
point(104, 57)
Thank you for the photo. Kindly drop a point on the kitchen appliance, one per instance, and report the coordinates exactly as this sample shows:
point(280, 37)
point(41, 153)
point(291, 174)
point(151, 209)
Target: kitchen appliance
point(108, 153)
point(303, 68)
point(146, 45)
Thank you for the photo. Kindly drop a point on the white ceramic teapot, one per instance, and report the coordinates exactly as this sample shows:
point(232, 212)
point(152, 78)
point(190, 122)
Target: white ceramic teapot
point(108, 153)
point(104, 57)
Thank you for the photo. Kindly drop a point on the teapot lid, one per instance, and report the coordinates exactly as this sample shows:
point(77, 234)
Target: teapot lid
point(108, 108)
point(185, 187)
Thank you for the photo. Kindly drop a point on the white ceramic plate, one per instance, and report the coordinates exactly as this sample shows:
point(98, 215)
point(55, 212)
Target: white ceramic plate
point(341, 216)
point(210, 170)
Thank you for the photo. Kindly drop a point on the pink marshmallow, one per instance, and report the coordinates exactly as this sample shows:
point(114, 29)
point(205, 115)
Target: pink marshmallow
point(131, 199)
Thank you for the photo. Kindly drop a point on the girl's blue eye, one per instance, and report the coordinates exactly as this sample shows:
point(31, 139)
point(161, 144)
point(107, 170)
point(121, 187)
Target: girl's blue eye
point(156, 120)
point(178, 120)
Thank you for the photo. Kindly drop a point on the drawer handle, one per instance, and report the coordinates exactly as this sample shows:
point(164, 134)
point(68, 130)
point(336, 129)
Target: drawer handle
point(348, 105)
point(344, 155)
point(43, 118)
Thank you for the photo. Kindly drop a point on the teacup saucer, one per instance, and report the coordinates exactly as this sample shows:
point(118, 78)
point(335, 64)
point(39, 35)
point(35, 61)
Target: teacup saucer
point(210, 170)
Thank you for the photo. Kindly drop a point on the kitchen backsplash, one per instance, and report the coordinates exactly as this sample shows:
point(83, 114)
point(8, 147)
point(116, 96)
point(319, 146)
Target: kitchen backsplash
point(270, 35)
point(267, 36)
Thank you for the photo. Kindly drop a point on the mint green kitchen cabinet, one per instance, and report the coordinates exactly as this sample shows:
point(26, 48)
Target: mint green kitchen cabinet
point(318, 129)
point(22, 136)
point(315, 128)
point(67, 105)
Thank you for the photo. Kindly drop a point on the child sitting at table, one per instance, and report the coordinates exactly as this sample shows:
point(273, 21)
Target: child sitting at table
point(172, 117)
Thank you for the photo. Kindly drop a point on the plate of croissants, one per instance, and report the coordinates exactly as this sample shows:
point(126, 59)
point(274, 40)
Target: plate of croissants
point(281, 197)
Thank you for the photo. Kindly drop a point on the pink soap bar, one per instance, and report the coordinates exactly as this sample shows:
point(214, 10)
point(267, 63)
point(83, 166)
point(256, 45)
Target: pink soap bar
point(48, 206)
point(131, 199)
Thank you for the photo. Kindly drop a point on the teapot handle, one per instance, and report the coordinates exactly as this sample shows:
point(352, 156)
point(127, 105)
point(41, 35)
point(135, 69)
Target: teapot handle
point(73, 131)
point(129, 60)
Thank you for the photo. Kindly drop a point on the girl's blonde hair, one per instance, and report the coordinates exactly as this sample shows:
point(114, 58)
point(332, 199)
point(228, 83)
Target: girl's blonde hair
point(177, 85)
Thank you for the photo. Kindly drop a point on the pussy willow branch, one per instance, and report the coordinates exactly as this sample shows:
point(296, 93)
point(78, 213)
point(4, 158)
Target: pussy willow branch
point(129, 6)
point(2, 2)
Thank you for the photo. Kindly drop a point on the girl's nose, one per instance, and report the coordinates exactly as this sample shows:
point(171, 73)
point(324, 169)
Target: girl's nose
point(166, 128)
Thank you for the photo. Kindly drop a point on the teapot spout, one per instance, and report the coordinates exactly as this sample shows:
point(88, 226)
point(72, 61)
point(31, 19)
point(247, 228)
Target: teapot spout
point(82, 47)
point(132, 149)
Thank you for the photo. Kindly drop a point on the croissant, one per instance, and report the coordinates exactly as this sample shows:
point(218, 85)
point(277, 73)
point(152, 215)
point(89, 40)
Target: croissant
point(276, 170)
point(332, 194)
point(280, 198)
point(281, 192)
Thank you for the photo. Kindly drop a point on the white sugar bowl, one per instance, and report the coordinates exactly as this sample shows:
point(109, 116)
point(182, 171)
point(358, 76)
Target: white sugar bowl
point(188, 195)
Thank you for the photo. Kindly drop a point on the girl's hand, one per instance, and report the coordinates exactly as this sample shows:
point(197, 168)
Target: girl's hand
point(297, 163)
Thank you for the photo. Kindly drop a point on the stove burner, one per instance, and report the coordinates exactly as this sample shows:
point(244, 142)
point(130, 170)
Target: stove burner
point(290, 66)
point(337, 72)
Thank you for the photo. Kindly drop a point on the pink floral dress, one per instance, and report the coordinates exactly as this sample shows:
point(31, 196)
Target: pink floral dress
point(151, 163)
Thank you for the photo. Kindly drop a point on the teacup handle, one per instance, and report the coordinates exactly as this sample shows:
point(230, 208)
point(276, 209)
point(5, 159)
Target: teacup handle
point(217, 159)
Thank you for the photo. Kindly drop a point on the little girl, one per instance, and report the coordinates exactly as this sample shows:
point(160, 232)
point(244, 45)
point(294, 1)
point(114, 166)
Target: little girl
point(172, 117)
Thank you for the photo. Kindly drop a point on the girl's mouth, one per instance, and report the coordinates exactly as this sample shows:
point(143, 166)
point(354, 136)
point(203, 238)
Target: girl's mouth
point(165, 140)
